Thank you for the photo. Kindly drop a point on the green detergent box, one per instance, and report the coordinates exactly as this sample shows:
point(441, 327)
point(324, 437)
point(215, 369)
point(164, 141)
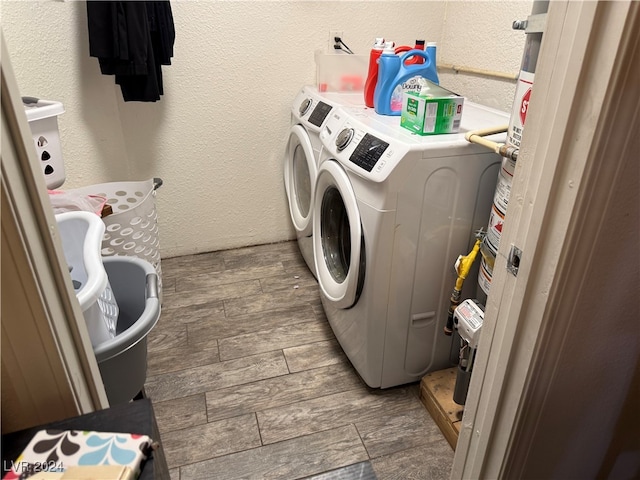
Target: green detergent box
point(431, 111)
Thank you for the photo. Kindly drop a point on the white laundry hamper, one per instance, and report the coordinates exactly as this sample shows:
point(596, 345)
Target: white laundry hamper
point(120, 304)
point(132, 229)
point(80, 234)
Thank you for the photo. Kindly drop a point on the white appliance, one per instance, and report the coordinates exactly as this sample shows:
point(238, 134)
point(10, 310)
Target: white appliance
point(309, 111)
point(392, 212)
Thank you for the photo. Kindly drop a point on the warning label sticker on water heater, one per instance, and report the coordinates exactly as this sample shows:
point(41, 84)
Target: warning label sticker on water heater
point(520, 108)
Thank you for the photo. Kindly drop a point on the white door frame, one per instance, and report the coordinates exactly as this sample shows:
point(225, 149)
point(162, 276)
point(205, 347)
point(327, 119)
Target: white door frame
point(574, 110)
point(49, 369)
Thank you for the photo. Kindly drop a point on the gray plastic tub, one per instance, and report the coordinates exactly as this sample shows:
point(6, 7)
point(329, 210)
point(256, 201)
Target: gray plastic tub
point(123, 359)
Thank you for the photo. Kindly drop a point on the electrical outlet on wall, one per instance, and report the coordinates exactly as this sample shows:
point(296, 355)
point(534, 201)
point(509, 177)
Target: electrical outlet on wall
point(332, 35)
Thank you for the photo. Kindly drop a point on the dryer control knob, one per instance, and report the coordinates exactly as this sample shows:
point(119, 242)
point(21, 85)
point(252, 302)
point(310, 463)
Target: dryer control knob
point(304, 106)
point(344, 138)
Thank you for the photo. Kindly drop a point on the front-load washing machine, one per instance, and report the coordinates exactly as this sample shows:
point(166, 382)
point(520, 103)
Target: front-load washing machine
point(392, 212)
point(308, 114)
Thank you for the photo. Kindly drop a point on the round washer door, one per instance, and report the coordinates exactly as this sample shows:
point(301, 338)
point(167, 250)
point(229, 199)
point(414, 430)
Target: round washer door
point(300, 172)
point(337, 237)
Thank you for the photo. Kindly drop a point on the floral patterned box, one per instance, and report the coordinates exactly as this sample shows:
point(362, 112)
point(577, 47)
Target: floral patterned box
point(52, 451)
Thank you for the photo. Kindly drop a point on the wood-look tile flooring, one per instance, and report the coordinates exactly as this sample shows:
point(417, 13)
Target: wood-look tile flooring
point(248, 381)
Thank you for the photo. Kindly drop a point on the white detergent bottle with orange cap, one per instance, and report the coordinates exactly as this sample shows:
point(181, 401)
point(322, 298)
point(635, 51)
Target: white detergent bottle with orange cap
point(395, 76)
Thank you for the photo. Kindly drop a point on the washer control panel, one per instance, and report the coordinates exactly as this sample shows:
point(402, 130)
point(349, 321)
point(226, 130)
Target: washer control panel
point(319, 113)
point(360, 148)
point(368, 152)
point(309, 110)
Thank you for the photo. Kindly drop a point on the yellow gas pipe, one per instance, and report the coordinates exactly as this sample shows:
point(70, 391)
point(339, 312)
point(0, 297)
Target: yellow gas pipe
point(463, 265)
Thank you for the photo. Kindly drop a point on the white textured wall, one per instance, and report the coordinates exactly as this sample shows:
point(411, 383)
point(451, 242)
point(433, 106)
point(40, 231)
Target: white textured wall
point(217, 136)
point(479, 34)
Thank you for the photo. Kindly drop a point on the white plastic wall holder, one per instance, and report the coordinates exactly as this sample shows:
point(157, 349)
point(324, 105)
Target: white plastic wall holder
point(43, 122)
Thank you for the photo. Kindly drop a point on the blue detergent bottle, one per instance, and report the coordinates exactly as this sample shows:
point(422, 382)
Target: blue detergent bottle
point(395, 76)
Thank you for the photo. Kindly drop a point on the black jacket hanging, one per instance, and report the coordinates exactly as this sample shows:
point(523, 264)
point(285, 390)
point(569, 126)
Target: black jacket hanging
point(132, 40)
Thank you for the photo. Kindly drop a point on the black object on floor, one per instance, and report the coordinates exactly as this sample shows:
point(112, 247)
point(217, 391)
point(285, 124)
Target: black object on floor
point(357, 471)
point(132, 417)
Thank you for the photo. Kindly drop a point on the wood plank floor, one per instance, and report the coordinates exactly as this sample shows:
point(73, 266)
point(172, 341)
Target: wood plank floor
point(249, 382)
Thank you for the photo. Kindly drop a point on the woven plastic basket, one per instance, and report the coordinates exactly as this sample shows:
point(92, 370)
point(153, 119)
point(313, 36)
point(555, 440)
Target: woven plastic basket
point(132, 229)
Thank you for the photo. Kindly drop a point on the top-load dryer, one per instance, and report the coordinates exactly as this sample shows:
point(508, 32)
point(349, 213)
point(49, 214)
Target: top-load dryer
point(309, 111)
point(392, 212)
